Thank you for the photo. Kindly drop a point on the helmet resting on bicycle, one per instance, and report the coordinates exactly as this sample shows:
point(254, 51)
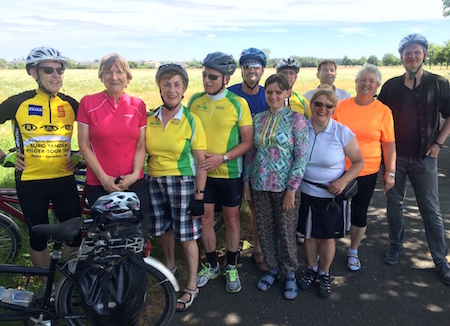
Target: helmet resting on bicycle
point(44, 53)
point(412, 39)
point(118, 204)
point(221, 62)
point(253, 54)
point(288, 63)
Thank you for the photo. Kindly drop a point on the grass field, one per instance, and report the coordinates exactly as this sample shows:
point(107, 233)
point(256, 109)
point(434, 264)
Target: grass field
point(78, 83)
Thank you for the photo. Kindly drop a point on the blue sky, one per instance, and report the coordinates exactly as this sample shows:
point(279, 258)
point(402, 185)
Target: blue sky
point(182, 30)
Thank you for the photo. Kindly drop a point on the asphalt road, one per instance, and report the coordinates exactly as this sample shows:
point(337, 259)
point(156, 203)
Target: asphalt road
point(409, 293)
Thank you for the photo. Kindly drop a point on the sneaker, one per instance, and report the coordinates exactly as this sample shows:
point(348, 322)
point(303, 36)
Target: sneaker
point(392, 256)
point(308, 279)
point(207, 273)
point(444, 272)
point(324, 285)
point(233, 281)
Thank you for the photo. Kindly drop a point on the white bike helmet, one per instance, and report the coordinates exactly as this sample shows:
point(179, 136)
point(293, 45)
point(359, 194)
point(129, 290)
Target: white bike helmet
point(290, 63)
point(44, 53)
point(118, 205)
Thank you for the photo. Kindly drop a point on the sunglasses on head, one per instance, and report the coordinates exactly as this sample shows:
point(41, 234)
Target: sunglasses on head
point(320, 104)
point(50, 70)
point(210, 76)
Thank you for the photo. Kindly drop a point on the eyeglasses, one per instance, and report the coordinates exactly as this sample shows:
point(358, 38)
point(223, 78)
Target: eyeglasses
point(210, 76)
point(50, 70)
point(320, 104)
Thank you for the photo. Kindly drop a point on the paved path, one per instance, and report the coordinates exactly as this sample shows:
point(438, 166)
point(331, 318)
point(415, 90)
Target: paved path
point(409, 293)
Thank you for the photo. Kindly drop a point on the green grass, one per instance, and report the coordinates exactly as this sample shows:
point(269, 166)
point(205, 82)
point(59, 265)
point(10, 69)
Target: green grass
point(78, 83)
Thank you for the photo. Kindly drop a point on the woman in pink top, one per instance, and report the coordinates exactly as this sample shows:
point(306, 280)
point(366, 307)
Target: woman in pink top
point(111, 134)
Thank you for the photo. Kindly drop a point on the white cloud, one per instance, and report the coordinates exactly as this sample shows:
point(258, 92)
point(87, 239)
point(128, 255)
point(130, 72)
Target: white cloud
point(106, 25)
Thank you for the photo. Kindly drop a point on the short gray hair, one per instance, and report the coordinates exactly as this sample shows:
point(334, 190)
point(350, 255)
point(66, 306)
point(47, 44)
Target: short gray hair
point(367, 67)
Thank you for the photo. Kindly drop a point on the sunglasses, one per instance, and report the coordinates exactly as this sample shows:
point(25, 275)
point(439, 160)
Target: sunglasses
point(320, 104)
point(256, 67)
point(210, 76)
point(50, 70)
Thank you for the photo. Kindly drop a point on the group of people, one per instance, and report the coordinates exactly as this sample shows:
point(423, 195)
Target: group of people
point(288, 156)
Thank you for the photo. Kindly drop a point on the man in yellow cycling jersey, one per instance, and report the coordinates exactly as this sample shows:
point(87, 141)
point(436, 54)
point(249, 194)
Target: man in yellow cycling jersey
point(228, 126)
point(42, 122)
point(290, 68)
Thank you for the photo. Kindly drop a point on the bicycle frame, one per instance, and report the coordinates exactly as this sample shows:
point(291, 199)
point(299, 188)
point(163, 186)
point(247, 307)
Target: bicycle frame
point(21, 312)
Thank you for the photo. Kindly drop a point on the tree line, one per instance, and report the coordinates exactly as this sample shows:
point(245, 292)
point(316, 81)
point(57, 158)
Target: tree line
point(438, 55)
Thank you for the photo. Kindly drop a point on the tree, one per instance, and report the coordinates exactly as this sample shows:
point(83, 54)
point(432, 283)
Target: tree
point(361, 61)
point(2, 63)
point(194, 64)
point(440, 56)
point(432, 50)
point(390, 60)
point(446, 52)
point(346, 61)
point(446, 7)
point(373, 60)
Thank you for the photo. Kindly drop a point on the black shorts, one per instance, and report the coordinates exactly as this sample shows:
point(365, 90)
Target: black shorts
point(321, 218)
point(228, 192)
point(34, 198)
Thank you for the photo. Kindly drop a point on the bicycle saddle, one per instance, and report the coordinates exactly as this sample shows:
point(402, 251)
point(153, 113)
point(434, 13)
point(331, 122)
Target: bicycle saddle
point(60, 232)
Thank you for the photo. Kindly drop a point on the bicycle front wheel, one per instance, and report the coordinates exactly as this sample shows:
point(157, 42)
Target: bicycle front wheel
point(10, 239)
point(159, 307)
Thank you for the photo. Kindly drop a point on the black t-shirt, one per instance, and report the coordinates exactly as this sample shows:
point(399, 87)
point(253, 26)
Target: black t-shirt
point(407, 134)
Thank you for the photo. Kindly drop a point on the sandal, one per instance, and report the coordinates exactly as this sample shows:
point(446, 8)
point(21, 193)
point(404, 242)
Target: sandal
point(260, 264)
point(351, 266)
point(290, 288)
point(188, 304)
point(266, 282)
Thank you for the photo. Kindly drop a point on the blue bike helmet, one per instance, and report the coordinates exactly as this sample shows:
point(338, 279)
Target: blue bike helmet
point(253, 54)
point(412, 39)
point(221, 62)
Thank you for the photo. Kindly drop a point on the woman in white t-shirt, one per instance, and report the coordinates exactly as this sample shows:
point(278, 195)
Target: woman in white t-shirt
point(321, 217)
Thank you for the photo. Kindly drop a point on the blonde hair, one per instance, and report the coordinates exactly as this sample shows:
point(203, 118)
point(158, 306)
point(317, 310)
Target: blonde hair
point(326, 91)
point(109, 60)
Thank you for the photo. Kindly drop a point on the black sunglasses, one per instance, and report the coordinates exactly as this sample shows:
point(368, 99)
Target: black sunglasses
point(210, 76)
point(320, 104)
point(50, 70)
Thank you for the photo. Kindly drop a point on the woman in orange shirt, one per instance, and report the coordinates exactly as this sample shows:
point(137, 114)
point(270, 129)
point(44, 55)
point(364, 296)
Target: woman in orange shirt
point(373, 125)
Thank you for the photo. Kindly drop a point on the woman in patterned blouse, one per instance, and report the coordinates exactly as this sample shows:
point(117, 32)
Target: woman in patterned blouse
point(273, 171)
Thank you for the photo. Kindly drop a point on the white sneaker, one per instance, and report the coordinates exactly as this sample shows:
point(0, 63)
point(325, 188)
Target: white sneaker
point(207, 273)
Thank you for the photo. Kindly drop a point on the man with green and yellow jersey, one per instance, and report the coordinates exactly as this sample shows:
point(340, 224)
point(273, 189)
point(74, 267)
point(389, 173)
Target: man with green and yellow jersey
point(290, 68)
point(227, 121)
point(42, 121)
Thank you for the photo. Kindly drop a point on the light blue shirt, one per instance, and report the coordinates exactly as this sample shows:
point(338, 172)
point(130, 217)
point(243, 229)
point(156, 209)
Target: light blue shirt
point(325, 157)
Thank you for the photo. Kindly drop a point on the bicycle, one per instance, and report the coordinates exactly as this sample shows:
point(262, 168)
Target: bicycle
point(10, 233)
point(160, 298)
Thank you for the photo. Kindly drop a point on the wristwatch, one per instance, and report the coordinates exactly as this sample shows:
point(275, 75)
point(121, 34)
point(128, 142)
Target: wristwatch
point(225, 158)
point(391, 174)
